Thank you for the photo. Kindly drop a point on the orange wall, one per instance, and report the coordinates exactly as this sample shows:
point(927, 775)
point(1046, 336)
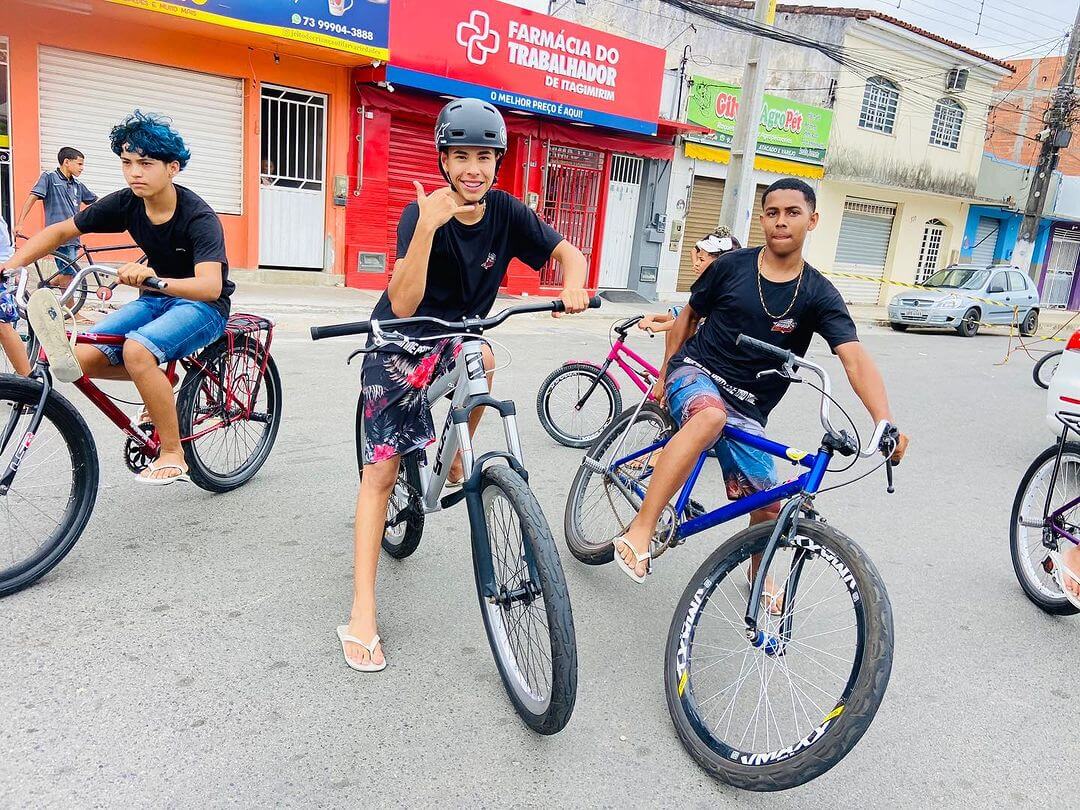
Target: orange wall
point(134, 34)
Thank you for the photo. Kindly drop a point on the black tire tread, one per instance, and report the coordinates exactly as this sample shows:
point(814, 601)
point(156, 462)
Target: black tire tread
point(587, 369)
point(1036, 372)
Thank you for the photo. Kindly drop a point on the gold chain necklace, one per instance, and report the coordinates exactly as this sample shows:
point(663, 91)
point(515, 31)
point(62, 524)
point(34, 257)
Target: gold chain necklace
point(761, 294)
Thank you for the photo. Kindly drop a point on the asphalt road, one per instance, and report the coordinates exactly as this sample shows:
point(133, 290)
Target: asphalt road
point(184, 653)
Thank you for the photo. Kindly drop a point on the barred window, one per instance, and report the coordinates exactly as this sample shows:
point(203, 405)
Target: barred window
point(879, 105)
point(948, 118)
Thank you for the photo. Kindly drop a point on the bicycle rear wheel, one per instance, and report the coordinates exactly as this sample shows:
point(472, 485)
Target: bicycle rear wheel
point(230, 412)
point(1043, 372)
point(1030, 558)
point(780, 713)
point(529, 625)
point(56, 271)
point(597, 508)
point(52, 496)
point(563, 414)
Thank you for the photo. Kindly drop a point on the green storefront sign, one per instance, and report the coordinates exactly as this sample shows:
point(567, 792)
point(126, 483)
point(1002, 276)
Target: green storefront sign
point(788, 129)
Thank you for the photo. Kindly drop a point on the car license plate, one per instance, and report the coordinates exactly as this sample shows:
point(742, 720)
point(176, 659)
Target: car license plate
point(909, 313)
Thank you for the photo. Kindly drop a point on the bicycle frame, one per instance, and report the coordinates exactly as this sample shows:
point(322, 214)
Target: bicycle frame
point(1052, 531)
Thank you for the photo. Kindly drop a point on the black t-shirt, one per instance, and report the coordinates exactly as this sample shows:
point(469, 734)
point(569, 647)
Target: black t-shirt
point(172, 249)
point(727, 296)
point(467, 262)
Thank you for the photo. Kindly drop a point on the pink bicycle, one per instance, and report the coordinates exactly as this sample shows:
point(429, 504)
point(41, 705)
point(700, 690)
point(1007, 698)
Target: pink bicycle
point(579, 399)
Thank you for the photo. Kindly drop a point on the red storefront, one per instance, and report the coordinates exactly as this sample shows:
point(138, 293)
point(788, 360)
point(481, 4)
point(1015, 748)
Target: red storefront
point(573, 123)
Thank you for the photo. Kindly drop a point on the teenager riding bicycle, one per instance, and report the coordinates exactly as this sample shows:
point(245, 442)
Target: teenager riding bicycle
point(708, 381)
point(184, 243)
point(453, 248)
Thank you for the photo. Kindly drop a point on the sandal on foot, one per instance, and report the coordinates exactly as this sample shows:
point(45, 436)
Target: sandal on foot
point(370, 666)
point(631, 571)
point(47, 317)
point(1063, 572)
point(773, 602)
point(161, 482)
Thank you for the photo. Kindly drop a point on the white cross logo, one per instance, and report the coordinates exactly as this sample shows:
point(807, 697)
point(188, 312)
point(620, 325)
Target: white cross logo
point(477, 37)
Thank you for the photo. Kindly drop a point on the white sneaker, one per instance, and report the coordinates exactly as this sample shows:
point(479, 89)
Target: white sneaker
point(46, 316)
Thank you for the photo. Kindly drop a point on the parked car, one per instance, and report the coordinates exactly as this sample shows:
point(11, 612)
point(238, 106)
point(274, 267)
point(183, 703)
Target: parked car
point(1064, 391)
point(963, 296)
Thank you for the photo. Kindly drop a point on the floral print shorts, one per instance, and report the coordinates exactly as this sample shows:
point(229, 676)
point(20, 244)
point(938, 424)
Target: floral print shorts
point(397, 415)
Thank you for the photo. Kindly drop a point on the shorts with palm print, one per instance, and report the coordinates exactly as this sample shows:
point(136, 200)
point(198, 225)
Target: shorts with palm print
point(397, 414)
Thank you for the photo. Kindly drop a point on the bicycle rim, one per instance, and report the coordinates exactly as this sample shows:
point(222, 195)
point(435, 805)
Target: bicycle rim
point(518, 628)
point(574, 419)
point(761, 705)
point(1032, 555)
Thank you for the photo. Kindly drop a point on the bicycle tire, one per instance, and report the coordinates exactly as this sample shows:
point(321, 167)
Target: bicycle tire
point(407, 485)
point(831, 741)
point(79, 296)
point(1054, 606)
point(577, 536)
point(202, 379)
point(543, 714)
point(1047, 367)
point(565, 434)
point(84, 485)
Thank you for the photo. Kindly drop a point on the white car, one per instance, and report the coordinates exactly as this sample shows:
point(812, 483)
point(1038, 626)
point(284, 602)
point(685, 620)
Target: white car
point(1064, 391)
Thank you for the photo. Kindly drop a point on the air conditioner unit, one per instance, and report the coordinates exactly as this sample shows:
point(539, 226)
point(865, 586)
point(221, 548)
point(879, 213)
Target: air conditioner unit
point(956, 79)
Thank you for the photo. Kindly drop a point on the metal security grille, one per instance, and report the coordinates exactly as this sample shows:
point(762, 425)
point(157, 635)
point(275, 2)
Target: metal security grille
point(930, 252)
point(412, 157)
point(863, 248)
point(1061, 269)
point(985, 245)
point(294, 125)
point(879, 102)
point(571, 197)
point(948, 119)
point(626, 169)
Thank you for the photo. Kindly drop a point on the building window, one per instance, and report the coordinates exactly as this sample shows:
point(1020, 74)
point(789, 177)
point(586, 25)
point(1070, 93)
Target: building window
point(879, 105)
point(948, 118)
point(930, 252)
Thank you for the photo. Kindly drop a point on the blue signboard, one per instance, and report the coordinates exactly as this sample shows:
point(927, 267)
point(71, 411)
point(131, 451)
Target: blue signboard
point(356, 26)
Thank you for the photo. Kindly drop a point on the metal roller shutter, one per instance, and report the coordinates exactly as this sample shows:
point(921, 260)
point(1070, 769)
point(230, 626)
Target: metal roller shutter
point(863, 247)
point(82, 96)
point(701, 218)
point(986, 236)
point(412, 157)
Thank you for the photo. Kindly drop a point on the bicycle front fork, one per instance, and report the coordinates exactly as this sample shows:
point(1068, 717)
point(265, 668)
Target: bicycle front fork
point(775, 643)
point(8, 478)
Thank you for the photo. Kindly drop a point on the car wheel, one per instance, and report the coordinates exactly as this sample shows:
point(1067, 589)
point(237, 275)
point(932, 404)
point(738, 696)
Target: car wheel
point(969, 324)
point(899, 327)
point(1031, 324)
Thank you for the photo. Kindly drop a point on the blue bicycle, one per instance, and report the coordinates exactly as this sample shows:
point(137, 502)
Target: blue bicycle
point(780, 649)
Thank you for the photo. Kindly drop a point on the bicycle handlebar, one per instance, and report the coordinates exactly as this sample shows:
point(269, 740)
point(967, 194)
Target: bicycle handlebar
point(21, 296)
point(791, 362)
point(365, 327)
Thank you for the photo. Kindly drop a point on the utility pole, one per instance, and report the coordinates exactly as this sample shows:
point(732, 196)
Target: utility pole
point(1055, 136)
point(739, 188)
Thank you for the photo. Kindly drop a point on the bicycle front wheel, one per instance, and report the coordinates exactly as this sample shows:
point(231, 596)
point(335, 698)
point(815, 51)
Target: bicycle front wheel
point(781, 710)
point(51, 498)
point(529, 623)
point(576, 403)
point(230, 411)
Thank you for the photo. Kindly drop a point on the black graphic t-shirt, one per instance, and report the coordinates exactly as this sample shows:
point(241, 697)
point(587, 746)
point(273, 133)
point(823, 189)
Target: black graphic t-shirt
point(173, 248)
point(468, 262)
point(727, 296)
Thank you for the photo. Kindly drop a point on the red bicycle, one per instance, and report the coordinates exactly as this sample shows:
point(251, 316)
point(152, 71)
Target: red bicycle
point(228, 404)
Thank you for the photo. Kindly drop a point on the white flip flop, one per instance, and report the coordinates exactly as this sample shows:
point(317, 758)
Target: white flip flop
point(163, 482)
point(370, 666)
point(1061, 571)
point(48, 318)
point(627, 569)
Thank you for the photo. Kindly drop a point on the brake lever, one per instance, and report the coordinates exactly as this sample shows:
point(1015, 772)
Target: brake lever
point(783, 373)
point(888, 476)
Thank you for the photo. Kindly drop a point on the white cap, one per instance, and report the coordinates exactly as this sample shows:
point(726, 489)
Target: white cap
point(715, 244)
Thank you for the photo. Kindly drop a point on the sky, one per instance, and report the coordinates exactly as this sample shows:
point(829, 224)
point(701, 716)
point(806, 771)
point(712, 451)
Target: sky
point(1008, 28)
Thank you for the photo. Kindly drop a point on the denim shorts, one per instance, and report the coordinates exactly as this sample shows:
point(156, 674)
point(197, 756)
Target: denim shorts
point(171, 328)
point(746, 469)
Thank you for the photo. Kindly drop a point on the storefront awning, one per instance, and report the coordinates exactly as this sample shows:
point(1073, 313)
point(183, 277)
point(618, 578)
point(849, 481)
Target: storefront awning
point(668, 128)
point(763, 163)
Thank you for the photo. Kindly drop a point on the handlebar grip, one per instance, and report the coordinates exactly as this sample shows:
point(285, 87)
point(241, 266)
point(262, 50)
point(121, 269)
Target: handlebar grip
point(761, 347)
point(595, 302)
point(340, 330)
point(156, 283)
point(558, 306)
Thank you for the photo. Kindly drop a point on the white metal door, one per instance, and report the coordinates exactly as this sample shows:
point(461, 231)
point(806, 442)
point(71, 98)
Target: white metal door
point(292, 178)
point(82, 96)
point(985, 245)
point(1061, 269)
point(620, 216)
point(863, 247)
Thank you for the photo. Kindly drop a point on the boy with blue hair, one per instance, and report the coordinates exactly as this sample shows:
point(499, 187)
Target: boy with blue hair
point(184, 244)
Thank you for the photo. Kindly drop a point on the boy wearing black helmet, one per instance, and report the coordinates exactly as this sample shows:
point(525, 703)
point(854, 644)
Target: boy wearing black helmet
point(453, 248)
